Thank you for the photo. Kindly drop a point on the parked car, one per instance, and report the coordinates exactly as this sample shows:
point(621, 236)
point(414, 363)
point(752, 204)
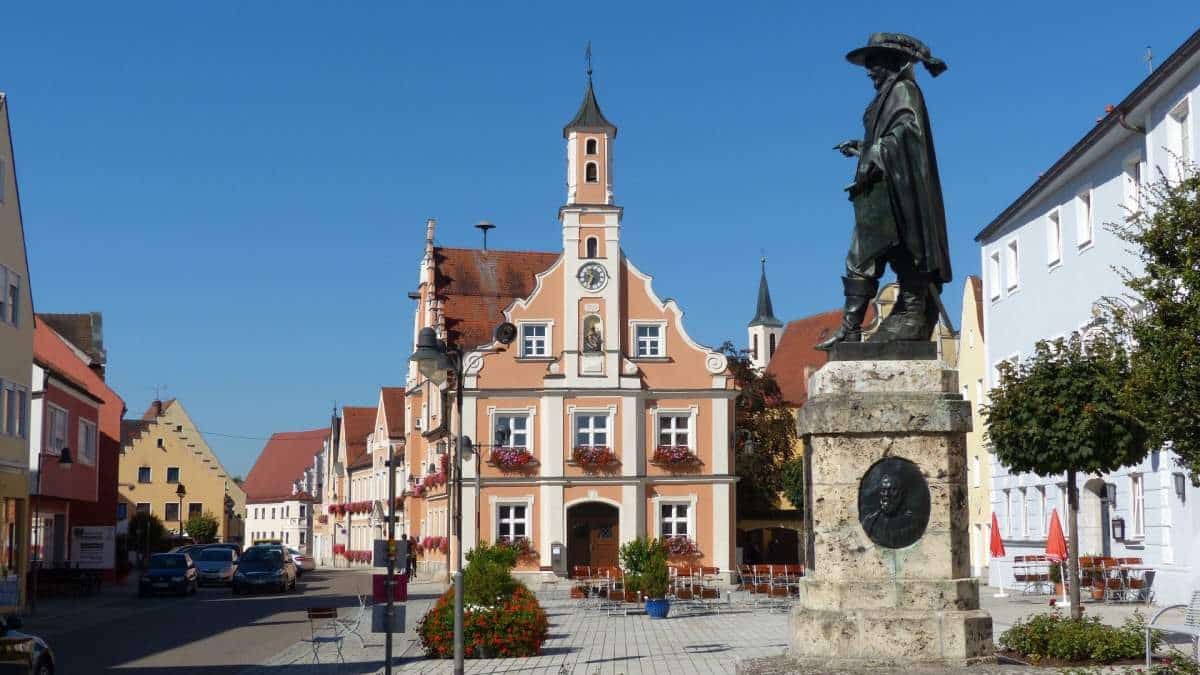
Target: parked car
point(236, 548)
point(169, 572)
point(216, 565)
point(264, 568)
point(304, 563)
point(40, 659)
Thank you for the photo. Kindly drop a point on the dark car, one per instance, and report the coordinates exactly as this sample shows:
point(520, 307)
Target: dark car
point(216, 565)
point(264, 568)
point(236, 548)
point(23, 653)
point(169, 573)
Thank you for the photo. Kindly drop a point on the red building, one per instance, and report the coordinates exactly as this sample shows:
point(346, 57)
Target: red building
point(73, 408)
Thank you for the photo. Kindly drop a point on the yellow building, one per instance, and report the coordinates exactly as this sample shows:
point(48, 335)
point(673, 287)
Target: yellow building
point(972, 365)
point(164, 450)
point(16, 371)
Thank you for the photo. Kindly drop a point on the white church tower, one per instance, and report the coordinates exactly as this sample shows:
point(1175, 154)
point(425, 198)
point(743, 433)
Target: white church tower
point(764, 330)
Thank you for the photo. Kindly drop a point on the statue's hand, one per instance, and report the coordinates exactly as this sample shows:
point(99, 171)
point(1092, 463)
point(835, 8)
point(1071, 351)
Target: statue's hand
point(851, 148)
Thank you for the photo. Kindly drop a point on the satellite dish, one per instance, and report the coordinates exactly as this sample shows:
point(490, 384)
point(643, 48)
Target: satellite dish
point(506, 333)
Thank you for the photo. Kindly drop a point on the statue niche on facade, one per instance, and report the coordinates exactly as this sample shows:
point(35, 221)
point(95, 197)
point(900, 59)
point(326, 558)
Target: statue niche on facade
point(899, 219)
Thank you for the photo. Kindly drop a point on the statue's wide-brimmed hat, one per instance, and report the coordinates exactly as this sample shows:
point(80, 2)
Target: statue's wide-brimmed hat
point(903, 45)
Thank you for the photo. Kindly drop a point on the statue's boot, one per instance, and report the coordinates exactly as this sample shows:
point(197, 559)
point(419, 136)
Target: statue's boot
point(858, 296)
point(909, 320)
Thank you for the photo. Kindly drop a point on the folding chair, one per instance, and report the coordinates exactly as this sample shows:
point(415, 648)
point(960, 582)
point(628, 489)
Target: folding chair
point(350, 625)
point(320, 619)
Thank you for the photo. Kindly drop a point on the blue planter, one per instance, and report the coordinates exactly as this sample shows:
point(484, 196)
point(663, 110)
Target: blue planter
point(658, 609)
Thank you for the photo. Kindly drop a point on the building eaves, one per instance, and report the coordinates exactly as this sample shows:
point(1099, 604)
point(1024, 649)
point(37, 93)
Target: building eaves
point(1116, 118)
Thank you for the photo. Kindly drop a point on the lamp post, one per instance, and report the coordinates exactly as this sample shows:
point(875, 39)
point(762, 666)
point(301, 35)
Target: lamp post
point(181, 492)
point(436, 362)
point(64, 461)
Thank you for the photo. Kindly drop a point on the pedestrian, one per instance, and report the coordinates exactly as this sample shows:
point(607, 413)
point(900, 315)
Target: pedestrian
point(412, 559)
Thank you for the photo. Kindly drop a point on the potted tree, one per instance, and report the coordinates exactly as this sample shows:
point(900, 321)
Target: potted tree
point(654, 581)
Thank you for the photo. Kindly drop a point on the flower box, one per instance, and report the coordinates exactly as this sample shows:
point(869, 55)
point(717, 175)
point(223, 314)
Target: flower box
point(674, 455)
point(594, 456)
point(682, 546)
point(521, 545)
point(511, 458)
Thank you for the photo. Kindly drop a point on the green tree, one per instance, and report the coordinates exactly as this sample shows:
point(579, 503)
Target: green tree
point(146, 534)
point(793, 482)
point(202, 528)
point(1165, 235)
point(1064, 410)
point(770, 427)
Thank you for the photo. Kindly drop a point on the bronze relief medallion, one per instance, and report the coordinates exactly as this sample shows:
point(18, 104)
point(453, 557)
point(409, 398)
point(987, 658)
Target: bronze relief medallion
point(893, 503)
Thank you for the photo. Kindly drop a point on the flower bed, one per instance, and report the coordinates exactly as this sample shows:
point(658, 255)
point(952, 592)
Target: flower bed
point(511, 458)
point(1052, 639)
point(673, 455)
point(594, 456)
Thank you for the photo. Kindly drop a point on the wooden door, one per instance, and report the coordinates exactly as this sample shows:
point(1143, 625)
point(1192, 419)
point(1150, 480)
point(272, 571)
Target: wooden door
point(603, 543)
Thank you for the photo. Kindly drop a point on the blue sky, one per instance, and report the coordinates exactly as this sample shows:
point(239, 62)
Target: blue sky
point(242, 190)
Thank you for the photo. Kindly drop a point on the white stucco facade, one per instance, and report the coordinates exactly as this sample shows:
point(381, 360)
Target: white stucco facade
point(289, 521)
point(1048, 261)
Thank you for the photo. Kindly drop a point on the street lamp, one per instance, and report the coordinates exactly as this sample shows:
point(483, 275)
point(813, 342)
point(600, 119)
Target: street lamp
point(181, 492)
point(64, 461)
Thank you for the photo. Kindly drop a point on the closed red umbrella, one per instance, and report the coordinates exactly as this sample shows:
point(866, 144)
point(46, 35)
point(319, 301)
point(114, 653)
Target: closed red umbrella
point(997, 542)
point(1056, 543)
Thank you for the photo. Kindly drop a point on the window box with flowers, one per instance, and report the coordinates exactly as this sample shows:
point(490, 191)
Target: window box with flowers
point(521, 545)
point(510, 458)
point(674, 455)
point(682, 547)
point(593, 457)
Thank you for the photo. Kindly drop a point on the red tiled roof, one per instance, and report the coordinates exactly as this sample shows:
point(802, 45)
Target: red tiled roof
point(358, 423)
point(476, 286)
point(393, 410)
point(795, 352)
point(282, 461)
point(51, 351)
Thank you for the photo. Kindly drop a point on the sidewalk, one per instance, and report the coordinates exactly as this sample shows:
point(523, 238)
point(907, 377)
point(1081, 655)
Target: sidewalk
point(116, 599)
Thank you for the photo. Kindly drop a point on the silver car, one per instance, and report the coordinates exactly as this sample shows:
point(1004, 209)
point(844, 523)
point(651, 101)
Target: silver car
point(215, 565)
point(304, 562)
point(28, 653)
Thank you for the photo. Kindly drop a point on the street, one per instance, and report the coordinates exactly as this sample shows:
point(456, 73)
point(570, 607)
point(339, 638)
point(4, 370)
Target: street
point(213, 631)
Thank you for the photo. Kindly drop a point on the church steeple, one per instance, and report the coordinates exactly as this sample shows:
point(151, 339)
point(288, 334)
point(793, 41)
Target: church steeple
point(589, 150)
point(765, 329)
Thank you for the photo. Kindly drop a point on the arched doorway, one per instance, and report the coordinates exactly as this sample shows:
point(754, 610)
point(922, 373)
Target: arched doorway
point(774, 545)
point(1093, 519)
point(593, 537)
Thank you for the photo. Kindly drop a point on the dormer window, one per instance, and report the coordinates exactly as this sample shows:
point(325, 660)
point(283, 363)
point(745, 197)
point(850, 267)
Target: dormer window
point(593, 246)
point(591, 146)
point(591, 173)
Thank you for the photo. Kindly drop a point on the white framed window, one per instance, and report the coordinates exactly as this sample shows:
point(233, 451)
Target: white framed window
point(172, 474)
point(10, 297)
point(1137, 505)
point(195, 509)
point(1053, 238)
point(675, 519)
point(171, 512)
point(14, 409)
point(1012, 267)
point(56, 428)
point(1042, 516)
point(675, 429)
point(1014, 526)
point(142, 507)
point(145, 474)
point(1084, 229)
point(1133, 185)
point(1064, 505)
point(535, 340)
point(512, 521)
point(649, 338)
point(994, 275)
point(1181, 134)
point(1025, 529)
point(977, 472)
point(591, 173)
point(87, 442)
point(591, 430)
point(518, 430)
point(590, 146)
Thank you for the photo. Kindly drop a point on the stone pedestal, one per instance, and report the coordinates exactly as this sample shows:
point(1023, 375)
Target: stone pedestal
point(863, 604)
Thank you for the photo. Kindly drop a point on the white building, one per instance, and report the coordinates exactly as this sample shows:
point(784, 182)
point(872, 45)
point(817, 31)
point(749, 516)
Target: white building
point(1048, 261)
point(280, 489)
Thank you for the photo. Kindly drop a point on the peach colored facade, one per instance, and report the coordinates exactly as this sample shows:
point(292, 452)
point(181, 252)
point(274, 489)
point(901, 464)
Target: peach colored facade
point(642, 387)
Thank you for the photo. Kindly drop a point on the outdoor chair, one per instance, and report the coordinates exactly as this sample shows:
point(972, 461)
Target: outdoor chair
point(352, 624)
point(321, 619)
point(1190, 626)
point(1137, 583)
point(1112, 579)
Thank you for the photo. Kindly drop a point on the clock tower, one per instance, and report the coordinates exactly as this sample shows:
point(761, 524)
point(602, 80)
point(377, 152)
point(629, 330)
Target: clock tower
point(591, 247)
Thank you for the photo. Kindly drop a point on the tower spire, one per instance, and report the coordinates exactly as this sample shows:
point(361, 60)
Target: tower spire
point(588, 57)
point(764, 314)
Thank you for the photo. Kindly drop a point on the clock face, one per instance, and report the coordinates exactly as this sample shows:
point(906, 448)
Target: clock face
point(592, 276)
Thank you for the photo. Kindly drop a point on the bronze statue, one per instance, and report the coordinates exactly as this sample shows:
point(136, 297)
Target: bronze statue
point(592, 342)
point(898, 214)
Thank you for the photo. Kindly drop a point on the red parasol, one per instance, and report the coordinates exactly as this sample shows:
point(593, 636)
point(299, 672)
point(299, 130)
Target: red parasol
point(997, 542)
point(1056, 543)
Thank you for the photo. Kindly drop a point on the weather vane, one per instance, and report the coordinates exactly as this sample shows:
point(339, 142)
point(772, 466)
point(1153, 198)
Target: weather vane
point(588, 58)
